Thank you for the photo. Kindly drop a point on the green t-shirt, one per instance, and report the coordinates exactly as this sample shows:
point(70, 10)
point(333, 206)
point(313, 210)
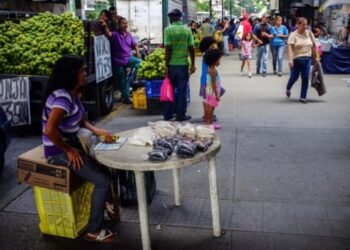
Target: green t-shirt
point(179, 38)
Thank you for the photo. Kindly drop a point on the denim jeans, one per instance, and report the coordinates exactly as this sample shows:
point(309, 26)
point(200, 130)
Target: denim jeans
point(261, 58)
point(179, 77)
point(277, 57)
point(120, 73)
point(301, 67)
point(92, 173)
point(226, 50)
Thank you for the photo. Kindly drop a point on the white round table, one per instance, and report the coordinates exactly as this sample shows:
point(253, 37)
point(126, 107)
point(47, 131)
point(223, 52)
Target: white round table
point(132, 158)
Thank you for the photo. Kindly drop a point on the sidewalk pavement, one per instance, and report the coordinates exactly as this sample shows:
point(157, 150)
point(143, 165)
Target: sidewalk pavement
point(283, 175)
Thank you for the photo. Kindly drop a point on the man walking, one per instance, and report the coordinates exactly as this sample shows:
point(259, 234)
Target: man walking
point(262, 34)
point(178, 42)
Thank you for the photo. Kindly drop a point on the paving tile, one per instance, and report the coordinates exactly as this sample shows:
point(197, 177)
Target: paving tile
point(246, 222)
point(187, 214)
point(275, 224)
point(279, 209)
point(311, 211)
point(226, 206)
point(248, 208)
point(205, 220)
point(314, 227)
point(339, 213)
point(340, 228)
point(25, 203)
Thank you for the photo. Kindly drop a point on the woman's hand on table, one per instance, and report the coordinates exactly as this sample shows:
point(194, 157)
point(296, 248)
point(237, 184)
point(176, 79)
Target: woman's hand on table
point(74, 158)
point(107, 136)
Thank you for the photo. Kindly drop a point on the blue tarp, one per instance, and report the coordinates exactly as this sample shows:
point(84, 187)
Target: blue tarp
point(337, 61)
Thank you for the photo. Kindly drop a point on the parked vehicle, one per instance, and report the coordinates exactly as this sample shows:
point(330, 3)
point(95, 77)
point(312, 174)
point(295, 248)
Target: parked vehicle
point(5, 137)
point(144, 16)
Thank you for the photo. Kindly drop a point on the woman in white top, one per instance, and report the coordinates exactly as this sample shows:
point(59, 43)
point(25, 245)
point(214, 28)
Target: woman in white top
point(300, 46)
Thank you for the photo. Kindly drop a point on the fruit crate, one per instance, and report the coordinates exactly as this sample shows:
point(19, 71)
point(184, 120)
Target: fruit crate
point(153, 88)
point(139, 100)
point(62, 214)
point(155, 106)
point(127, 187)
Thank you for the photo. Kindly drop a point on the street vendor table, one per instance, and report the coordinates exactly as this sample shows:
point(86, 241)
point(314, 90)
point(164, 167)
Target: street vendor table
point(130, 157)
point(337, 61)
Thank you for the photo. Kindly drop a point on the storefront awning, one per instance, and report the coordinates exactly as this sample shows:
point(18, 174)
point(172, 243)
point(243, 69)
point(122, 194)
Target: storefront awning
point(329, 3)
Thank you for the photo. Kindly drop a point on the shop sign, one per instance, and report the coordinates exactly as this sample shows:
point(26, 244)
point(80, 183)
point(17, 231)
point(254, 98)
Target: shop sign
point(103, 62)
point(15, 100)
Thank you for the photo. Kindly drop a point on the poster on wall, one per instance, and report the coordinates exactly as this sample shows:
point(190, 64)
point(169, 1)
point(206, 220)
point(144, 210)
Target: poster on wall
point(15, 100)
point(103, 63)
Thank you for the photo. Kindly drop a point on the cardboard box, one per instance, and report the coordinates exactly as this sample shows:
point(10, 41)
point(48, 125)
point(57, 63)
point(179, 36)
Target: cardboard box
point(33, 169)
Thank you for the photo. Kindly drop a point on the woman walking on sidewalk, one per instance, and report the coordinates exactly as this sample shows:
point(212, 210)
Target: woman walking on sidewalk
point(300, 47)
point(280, 34)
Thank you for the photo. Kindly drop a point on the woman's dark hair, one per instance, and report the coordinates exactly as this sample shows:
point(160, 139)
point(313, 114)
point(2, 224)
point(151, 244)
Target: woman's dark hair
point(211, 56)
point(108, 14)
point(205, 43)
point(64, 74)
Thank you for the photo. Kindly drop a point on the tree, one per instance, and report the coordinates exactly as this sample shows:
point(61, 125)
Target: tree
point(202, 6)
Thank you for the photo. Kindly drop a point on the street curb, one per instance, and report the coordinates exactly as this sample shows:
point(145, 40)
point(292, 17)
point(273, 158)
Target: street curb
point(12, 195)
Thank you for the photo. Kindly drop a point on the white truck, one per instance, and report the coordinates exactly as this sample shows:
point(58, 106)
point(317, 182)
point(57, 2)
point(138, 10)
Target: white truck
point(147, 19)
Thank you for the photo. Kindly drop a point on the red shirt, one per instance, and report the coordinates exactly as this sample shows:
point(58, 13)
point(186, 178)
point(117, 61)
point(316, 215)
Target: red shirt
point(247, 28)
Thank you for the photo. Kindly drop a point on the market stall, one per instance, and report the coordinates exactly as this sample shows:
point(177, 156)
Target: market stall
point(336, 61)
point(190, 149)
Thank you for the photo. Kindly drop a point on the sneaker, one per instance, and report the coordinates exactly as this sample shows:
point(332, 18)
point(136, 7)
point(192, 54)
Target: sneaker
point(303, 100)
point(264, 74)
point(241, 73)
point(217, 125)
point(279, 73)
point(258, 72)
point(183, 118)
point(250, 75)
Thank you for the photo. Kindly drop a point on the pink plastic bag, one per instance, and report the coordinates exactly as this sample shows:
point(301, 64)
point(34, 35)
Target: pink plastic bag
point(166, 91)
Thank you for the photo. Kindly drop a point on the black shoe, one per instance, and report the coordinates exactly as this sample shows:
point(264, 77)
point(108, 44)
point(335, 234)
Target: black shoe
point(258, 72)
point(275, 72)
point(183, 118)
point(263, 74)
point(288, 93)
point(127, 101)
point(168, 118)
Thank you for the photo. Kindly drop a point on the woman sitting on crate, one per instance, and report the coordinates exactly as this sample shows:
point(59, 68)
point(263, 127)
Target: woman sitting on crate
point(62, 118)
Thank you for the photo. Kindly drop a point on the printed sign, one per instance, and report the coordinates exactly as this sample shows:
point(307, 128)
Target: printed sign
point(15, 100)
point(103, 62)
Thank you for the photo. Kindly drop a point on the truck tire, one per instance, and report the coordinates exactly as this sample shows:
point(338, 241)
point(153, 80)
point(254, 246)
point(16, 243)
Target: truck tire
point(2, 156)
point(106, 96)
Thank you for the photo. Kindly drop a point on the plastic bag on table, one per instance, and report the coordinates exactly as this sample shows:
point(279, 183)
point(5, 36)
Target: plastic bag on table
point(165, 143)
point(205, 131)
point(159, 154)
point(164, 129)
point(188, 130)
point(186, 149)
point(203, 144)
point(143, 137)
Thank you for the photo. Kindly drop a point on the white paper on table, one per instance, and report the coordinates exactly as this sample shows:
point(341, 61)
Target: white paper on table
point(101, 146)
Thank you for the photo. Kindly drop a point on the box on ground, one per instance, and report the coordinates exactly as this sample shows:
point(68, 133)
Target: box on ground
point(33, 169)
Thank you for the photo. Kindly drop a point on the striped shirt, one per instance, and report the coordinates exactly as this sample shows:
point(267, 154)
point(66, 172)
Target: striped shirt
point(179, 38)
point(69, 127)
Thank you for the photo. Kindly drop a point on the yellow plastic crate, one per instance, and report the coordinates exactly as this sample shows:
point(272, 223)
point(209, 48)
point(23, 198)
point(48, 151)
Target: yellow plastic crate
point(139, 100)
point(62, 214)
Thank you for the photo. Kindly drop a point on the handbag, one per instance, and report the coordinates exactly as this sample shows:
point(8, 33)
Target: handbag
point(239, 32)
point(317, 80)
point(166, 91)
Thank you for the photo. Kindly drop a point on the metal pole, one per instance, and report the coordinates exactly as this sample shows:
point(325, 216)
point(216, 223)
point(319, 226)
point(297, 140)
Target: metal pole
point(222, 9)
point(210, 9)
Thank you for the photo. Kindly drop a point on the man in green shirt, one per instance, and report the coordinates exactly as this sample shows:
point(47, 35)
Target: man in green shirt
point(207, 29)
point(178, 42)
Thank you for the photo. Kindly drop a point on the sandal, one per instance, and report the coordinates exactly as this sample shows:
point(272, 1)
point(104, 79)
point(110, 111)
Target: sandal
point(217, 126)
point(111, 213)
point(104, 236)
